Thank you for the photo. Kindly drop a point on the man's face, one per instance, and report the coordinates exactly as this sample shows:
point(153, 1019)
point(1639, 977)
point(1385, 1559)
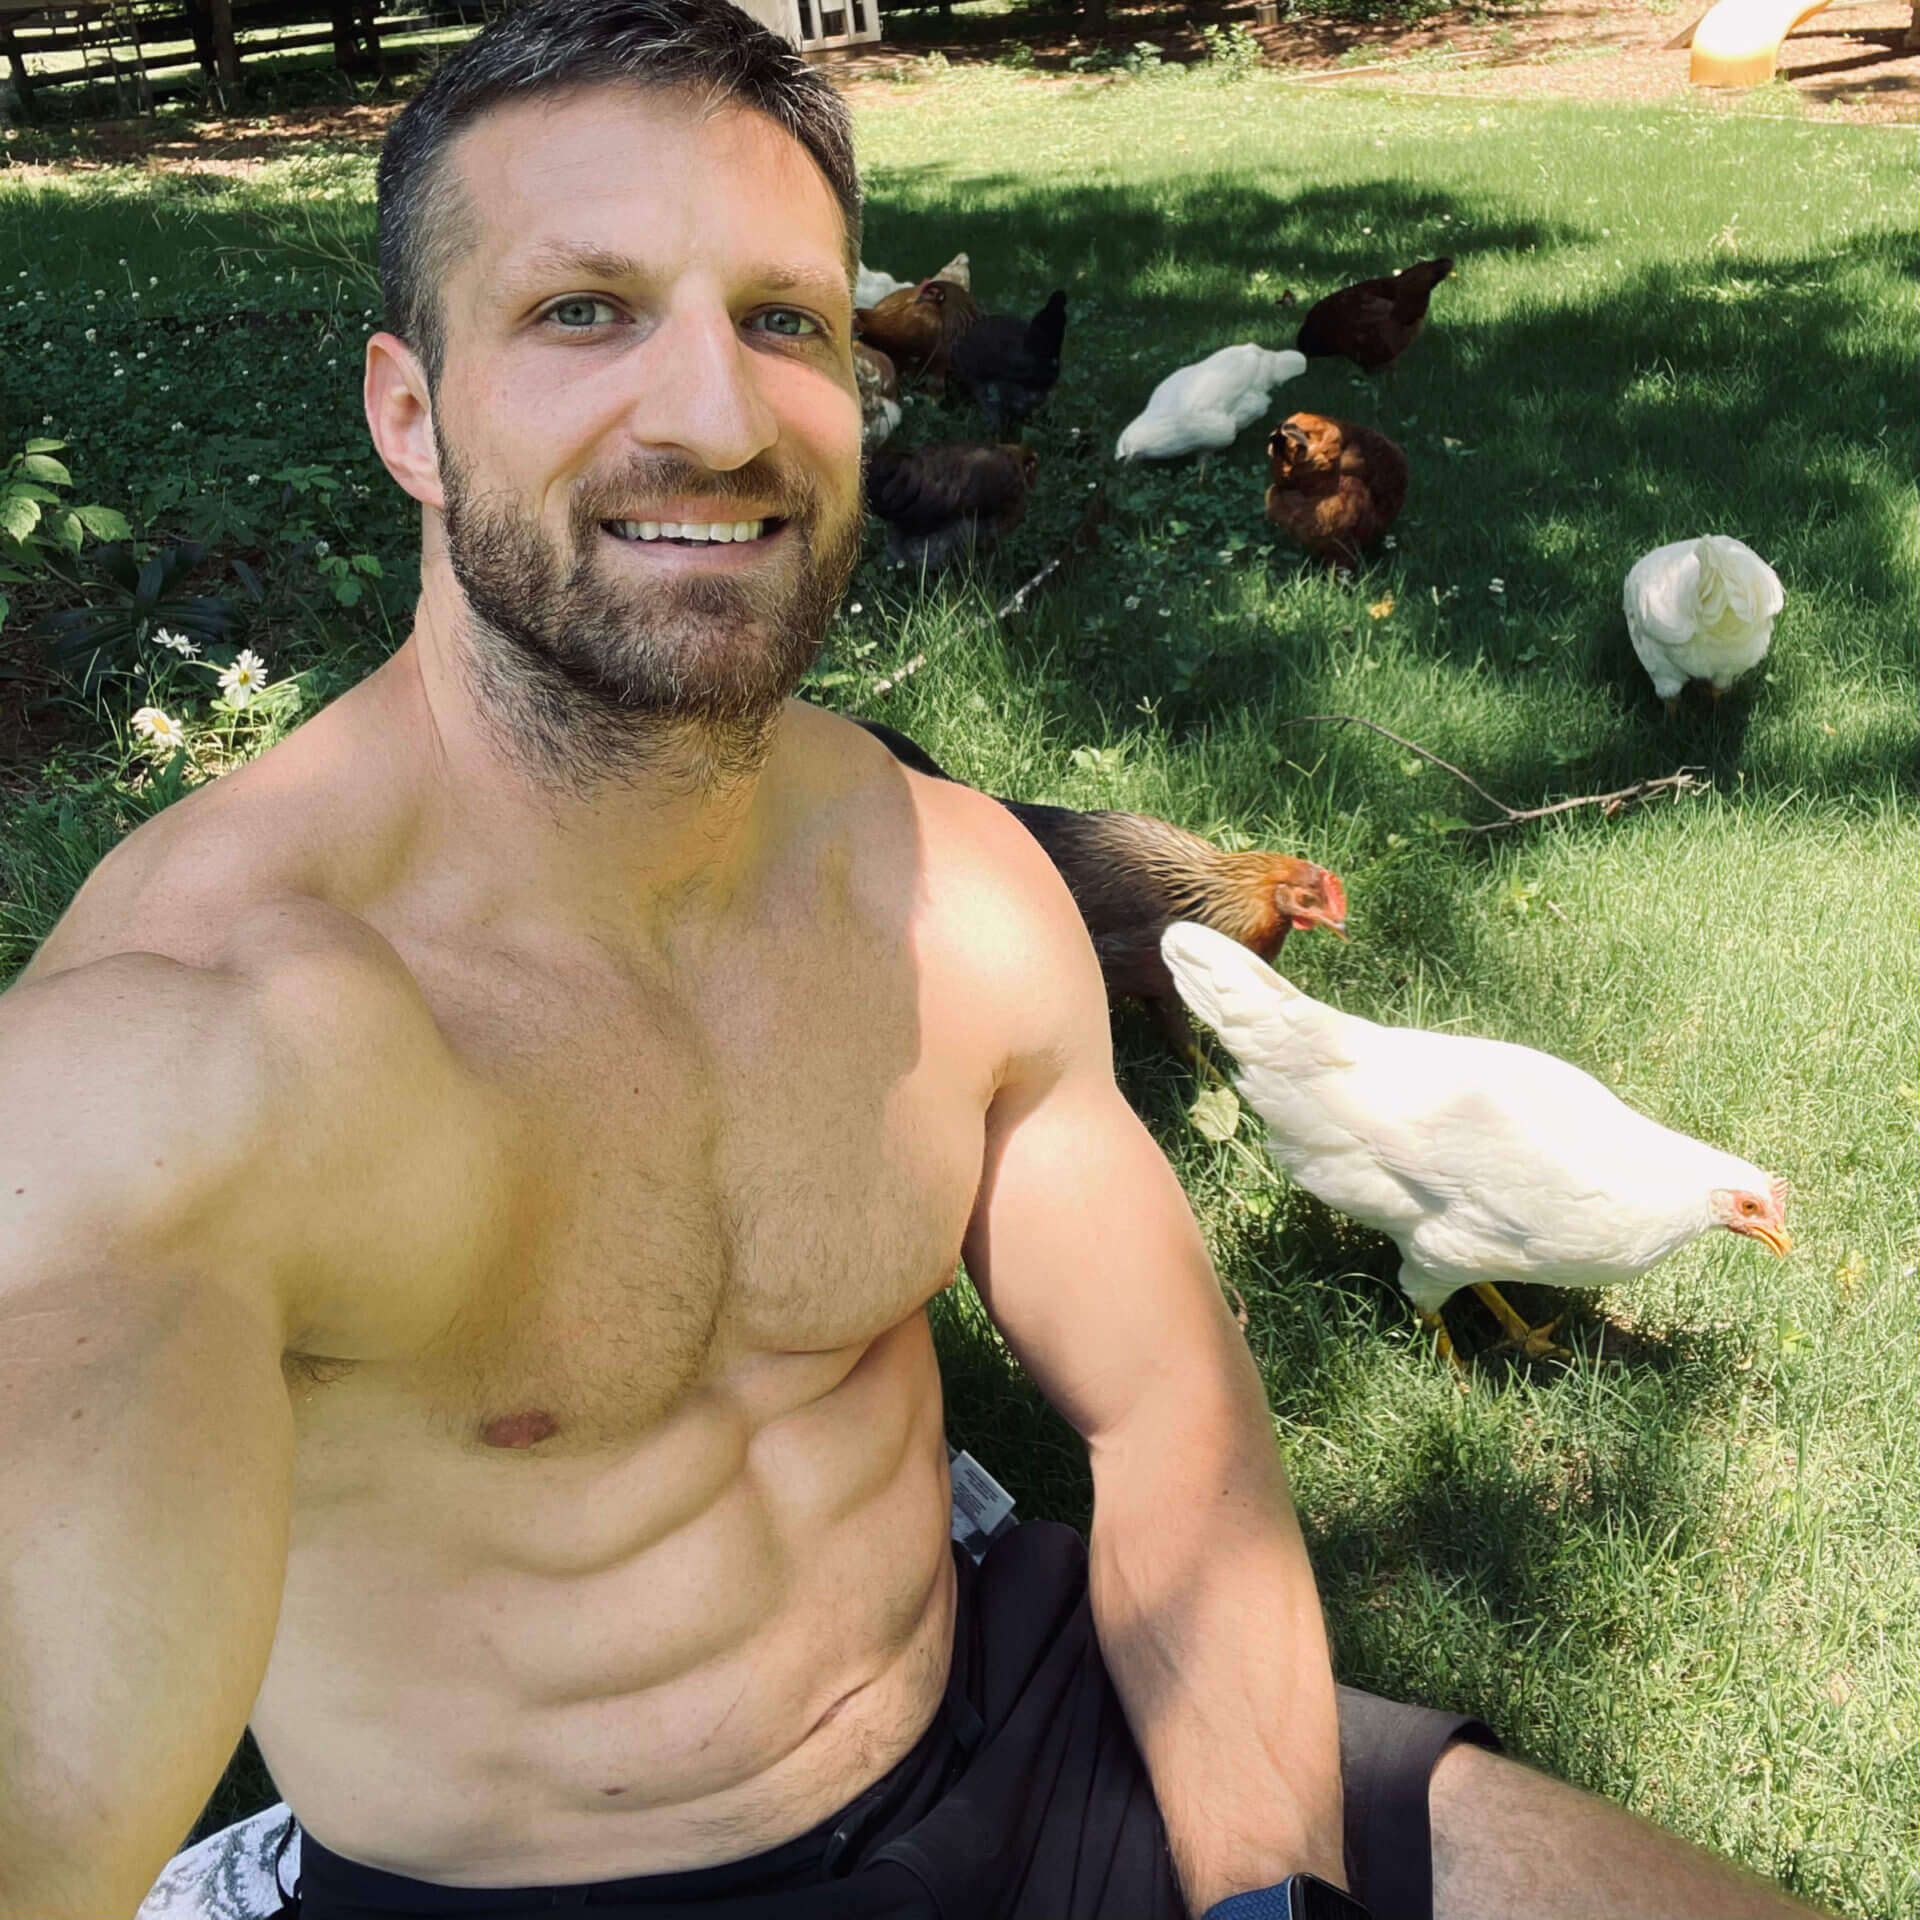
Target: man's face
point(651, 331)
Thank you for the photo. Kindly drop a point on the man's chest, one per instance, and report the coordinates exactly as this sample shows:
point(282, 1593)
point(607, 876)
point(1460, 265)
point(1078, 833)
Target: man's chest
point(785, 1168)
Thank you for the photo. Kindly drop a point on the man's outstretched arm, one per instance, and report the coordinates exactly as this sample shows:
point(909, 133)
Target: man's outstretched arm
point(146, 1440)
point(1088, 1257)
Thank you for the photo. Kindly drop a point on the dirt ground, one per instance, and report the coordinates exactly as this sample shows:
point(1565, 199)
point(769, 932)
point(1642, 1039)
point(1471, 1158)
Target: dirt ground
point(1850, 62)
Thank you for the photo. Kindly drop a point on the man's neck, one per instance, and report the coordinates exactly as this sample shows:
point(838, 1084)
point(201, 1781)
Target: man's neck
point(661, 845)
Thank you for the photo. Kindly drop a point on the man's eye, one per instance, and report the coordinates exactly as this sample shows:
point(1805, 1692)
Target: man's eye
point(788, 321)
point(575, 315)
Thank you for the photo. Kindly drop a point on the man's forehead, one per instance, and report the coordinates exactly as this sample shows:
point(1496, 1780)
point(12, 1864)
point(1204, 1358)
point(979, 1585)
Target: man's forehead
point(595, 179)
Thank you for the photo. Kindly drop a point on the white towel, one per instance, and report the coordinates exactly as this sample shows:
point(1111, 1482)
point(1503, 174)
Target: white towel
point(244, 1872)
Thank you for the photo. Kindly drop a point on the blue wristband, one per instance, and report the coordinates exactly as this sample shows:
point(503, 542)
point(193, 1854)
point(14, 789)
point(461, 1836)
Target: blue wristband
point(1263, 1903)
point(1298, 1897)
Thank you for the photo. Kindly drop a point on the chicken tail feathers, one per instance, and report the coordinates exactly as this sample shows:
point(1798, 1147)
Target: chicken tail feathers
point(1048, 328)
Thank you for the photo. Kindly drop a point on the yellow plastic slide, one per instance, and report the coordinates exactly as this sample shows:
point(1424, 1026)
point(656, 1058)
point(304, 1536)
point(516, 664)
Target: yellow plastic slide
point(1738, 41)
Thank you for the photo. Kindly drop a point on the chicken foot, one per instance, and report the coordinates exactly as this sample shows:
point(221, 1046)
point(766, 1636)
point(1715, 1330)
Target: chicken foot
point(1536, 1343)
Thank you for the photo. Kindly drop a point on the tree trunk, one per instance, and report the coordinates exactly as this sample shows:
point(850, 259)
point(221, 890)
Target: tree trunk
point(1093, 17)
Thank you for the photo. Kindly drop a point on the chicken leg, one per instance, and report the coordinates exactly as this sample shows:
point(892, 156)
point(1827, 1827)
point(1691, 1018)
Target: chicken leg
point(1438, 1328)
point(1536, 1343)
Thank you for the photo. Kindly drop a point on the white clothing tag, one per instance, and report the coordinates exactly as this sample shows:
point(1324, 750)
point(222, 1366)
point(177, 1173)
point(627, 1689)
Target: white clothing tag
point(982, 1507)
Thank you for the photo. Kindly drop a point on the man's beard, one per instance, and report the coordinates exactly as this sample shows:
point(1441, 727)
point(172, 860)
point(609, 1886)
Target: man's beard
point(582, 677)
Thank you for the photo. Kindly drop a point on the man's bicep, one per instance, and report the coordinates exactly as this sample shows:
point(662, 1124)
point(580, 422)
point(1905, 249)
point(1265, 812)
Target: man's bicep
point(1088, 1256)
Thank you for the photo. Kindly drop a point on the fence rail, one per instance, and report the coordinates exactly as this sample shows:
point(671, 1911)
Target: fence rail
point(123, 47)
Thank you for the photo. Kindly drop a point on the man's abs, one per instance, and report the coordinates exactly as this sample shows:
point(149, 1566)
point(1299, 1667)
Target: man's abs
point(493, 1668)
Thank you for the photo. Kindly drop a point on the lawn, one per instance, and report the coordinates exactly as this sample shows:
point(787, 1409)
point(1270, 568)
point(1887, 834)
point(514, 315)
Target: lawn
point(1680, 1570)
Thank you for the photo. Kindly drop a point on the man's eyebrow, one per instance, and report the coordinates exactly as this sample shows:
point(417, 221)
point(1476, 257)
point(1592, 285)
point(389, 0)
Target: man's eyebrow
point(563, 260)
point(569, 260)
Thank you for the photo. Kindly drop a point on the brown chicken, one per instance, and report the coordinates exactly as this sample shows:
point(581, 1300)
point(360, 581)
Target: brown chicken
point(879, 385)
point(1336, 486)
point(949, 500)
point(1373, 322)
point(918, 327)
point(1132, 876)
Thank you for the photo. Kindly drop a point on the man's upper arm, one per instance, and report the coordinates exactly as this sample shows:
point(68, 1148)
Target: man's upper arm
point(1082, 1243)
point(145, 1433)
point(200, 1168)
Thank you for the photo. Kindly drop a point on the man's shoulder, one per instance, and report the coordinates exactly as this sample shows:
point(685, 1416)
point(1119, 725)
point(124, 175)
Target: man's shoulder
point(980, 866)
point(993, 910)
point(224, 1098)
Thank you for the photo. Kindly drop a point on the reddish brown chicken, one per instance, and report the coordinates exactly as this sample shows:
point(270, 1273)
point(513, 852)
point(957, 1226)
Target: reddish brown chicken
point(918, 327)
point(1373, 322)
point(1132, 876)
point(1336, 486)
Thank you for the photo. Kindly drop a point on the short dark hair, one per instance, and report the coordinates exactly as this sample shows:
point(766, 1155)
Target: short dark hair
point(708, 48)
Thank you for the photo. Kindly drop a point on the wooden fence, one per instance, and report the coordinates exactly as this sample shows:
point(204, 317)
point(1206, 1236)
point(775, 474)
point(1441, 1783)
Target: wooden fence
point(123, 45)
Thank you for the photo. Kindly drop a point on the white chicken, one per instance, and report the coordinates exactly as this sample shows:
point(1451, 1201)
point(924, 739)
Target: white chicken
point(1202, 407)
point(871, 286)
point(1485, 1161)
point(1701, 610)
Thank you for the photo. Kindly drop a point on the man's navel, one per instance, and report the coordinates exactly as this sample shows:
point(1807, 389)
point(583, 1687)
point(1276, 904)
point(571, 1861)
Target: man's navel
point(526, 1429)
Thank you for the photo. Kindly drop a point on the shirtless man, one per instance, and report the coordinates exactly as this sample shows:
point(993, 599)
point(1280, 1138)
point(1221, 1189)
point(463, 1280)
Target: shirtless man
point(472, 1182)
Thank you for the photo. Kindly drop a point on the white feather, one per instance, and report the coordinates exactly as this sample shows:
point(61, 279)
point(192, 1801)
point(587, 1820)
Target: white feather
point(1204, 406)
point(1483, 1160)
point(1701, 610)
point(871, 286)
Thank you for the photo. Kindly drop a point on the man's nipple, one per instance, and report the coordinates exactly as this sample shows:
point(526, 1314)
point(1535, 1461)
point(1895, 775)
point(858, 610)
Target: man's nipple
point(526, 1429)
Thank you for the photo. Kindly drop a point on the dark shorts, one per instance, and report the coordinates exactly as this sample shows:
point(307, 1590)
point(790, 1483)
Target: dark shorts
point(1026, 1798)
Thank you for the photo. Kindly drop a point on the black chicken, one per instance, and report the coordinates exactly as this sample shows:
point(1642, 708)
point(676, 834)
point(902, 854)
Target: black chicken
point(949, 500)
point(1008, 366)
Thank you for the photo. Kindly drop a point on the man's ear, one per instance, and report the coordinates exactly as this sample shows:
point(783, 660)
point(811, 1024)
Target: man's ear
point(400, 417)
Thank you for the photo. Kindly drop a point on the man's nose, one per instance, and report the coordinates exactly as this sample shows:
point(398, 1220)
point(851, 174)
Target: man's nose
point(702, 395)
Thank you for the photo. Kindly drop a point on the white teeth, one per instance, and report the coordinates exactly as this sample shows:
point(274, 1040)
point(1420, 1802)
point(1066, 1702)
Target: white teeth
point(720, 531)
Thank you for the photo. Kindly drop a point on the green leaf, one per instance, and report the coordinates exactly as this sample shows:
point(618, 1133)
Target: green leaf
point(26, 490)
point(45, 446)
point(18, 515)
point(104, 523)
point(63, 525)
point(37, 466)
point(5, 603)
point(367, 563)
point(1216, 1114)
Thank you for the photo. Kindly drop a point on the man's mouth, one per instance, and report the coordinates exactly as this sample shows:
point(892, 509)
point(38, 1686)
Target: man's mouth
point(693, 534)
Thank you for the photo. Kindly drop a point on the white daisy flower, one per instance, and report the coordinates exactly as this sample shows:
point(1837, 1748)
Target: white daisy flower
point(246, 677)
point(175, 642)
point(1131, 602)
point(159, 728)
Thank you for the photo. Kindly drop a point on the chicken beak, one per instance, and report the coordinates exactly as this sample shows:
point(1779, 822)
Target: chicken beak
point(1776, 1240)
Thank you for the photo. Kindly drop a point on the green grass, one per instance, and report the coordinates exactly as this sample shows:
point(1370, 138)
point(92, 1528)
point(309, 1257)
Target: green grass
point(1682, 1569)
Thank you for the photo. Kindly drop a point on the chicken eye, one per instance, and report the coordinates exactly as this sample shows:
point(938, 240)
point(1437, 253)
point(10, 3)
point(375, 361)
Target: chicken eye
point(1749, 1206)
point(579, 313)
